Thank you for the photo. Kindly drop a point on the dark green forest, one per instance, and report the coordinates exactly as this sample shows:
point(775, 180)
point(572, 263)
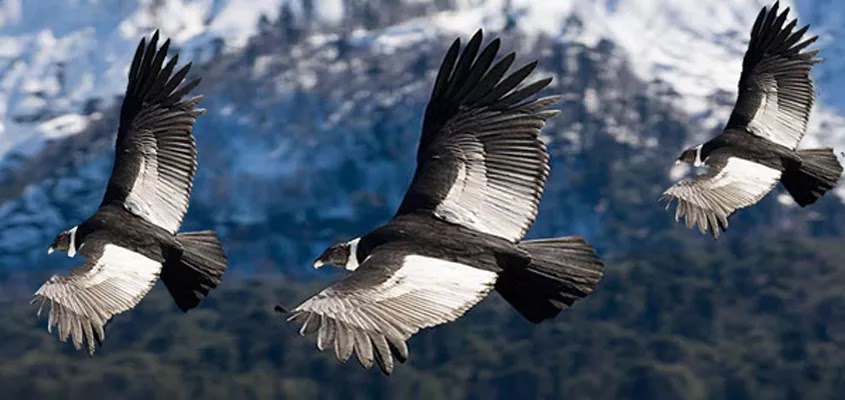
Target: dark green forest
point(762, 317)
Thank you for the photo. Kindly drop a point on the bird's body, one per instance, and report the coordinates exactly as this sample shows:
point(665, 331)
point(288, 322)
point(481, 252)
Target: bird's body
point(432, 237)
point(118, 226)
point(737, 143)
point(132, 239)
point(759, 146)
point(457, 235)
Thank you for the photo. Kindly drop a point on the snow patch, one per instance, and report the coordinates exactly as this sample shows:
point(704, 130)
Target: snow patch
point(53, 67)
point(65, 125)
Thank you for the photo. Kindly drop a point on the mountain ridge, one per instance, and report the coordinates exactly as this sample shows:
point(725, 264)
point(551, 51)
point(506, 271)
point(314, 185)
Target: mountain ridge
point(348, 100)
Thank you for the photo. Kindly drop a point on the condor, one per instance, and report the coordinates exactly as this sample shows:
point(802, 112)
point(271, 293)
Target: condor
point(758, 147)
point(132, 239)
point(481, 170)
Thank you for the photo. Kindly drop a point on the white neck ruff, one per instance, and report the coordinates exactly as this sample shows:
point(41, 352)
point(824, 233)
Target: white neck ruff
point(352, 261)
point(698, 161)
point(71, 249)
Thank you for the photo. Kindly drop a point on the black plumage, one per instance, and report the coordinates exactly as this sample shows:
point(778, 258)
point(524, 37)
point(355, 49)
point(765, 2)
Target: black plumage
point(154, 150)
point(132, 238)
point(481, 169)
point(758, 147)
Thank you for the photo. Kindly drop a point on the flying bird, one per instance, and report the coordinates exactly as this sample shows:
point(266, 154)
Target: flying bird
point(481, 170)
point(132, 239)
point(758, 147)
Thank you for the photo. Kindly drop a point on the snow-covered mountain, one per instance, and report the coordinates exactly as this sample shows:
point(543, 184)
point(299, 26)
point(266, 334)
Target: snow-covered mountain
point(61, 61)
point(315, 107)
point(54, 72)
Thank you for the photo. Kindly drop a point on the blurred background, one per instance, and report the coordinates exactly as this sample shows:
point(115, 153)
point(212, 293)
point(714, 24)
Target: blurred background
point(314, 116)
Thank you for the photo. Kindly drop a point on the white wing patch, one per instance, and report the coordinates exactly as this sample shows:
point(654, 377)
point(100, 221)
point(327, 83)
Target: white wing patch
point(466, 197)
point(84, 301)
point(444, 285)
point(783, 124)
point(158, 197)
point(708, 201)
point(746, 176)
point(496, 188)
point(448, 284)
point(374, 320)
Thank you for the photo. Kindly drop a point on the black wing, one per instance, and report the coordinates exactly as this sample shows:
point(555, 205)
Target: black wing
point(730, 184)
point(480, 161)
point(390, 297)
point(112, 280)
point(155, 158)
point(775, 89)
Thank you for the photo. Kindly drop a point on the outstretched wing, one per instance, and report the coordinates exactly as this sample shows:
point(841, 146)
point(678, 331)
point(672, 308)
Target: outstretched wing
point(111, 281)
point(709, 199)
point(155, 158)
point(480, 161)
point(377, 307)
point(775, 89)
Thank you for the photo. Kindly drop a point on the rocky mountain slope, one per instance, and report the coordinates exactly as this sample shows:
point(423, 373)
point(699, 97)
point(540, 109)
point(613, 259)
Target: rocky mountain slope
point(315, 111)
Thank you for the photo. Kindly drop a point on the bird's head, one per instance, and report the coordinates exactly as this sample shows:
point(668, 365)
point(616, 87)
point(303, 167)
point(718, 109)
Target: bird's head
point(691, 155)
point(66, 242)
point(342, 255)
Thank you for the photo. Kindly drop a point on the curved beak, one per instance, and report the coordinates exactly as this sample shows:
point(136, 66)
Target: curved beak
point(318, 264)
point(677, 162)
point(50, 250)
